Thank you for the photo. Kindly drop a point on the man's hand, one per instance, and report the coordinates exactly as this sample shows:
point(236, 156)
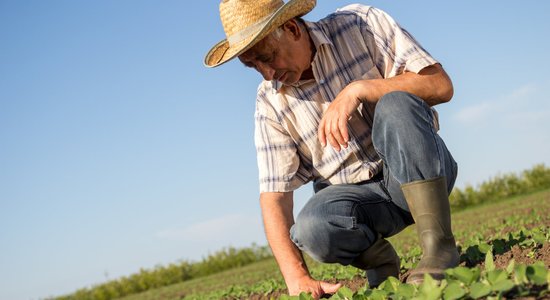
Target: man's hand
point(315, 287)
point(334, 124)
point(278, 218)
point(431, 84)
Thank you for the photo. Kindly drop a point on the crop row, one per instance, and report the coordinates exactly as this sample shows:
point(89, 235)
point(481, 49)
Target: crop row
point(481, 281)
point(459, 283)
point(503, 229)
point(497, 188)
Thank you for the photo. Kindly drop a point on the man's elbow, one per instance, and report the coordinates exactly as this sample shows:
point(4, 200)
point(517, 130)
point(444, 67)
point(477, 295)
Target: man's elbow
point(444, 85)
point(439, 83)
point(446, 91)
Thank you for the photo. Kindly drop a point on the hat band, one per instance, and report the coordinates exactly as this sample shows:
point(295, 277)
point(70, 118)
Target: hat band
point(244, 33)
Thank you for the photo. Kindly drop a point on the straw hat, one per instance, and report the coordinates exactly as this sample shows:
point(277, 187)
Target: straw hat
point(246, 22)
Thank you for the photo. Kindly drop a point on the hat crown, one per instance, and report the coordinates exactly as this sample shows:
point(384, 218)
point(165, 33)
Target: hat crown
point(246, 22)
point(238, 15)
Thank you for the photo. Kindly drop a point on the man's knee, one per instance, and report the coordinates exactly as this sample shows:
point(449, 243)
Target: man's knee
point(313, 235)
point(395, 113)
point(396, 105)
point(331, 238)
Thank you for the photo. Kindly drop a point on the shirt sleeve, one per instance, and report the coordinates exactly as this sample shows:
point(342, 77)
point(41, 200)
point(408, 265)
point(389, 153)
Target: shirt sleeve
point(396, 50)
point(393, 49)
point(278, 160)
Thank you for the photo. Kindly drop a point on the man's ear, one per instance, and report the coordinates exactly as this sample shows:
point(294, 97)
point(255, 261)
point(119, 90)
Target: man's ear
point(294, 28)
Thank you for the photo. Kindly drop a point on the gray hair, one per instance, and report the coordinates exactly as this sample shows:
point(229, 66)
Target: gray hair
point(277, 33)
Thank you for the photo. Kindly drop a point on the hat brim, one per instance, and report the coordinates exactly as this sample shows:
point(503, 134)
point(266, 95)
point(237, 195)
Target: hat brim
point(222, 52)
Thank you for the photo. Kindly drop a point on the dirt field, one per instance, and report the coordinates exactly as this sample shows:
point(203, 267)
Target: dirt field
point(497, 225)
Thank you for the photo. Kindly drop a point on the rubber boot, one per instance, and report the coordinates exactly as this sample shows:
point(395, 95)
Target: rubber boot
point(380, 261)
point(428, 202)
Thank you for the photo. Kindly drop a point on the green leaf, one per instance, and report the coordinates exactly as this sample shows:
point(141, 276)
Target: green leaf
point(511, 266)
point(479, 289)
point(463, 274)
point(453, 291)
point(390, 284)
point(499, 246)
point(433, 294)
point(537, 274)
point(378, 295)
point(345, 293)
point(305, 296)
point(503, 285)
point(539, 237)
point(474, 254)
point(477, 273)
point(406, 290)
point(484, 247)
point(359, 296)
point(489, 261)
point(496, 276)
point(429, 289)
point(520, 274)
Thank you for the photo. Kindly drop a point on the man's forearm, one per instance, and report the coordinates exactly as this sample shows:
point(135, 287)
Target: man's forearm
point(278, 218)
point(432, 84)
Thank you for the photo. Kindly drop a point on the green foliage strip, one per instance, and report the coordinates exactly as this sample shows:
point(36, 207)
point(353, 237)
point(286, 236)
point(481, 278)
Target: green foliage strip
point(502, 187)
point(174, 273)
point(459, 283)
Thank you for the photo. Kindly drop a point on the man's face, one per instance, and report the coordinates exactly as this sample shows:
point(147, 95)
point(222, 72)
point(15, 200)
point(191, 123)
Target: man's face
point(283, 59)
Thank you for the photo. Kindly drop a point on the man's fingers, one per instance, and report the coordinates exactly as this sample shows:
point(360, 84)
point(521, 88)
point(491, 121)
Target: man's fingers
point(316, 288)
point(321, 132)
point(333, 142)
point(343, 128)
point(330, 288)
point(335, 131)
point(328, 131)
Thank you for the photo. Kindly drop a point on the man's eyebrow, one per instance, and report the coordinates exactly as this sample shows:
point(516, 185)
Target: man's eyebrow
point(247, 63)
point(244, 62)
point(263, 56)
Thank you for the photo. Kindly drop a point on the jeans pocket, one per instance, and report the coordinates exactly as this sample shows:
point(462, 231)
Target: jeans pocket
point(343, 222)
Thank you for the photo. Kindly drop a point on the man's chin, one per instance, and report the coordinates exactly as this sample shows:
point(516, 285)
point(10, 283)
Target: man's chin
point(288, 79)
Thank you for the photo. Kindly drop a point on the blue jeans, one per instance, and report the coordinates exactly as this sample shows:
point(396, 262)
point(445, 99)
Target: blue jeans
point(341, 221)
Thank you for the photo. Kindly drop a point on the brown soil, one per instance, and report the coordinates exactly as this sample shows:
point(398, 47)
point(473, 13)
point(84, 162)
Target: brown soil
point(524, 256)
point(520, 256)
point(515, 252)
point(354, 284)
point(274, 295)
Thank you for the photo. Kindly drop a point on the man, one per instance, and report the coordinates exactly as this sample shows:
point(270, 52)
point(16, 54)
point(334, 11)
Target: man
point(358, 82)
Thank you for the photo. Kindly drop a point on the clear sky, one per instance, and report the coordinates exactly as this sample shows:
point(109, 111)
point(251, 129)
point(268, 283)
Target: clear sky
point(120, 151)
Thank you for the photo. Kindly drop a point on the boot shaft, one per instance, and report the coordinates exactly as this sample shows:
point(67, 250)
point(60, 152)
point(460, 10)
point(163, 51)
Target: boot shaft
point(428, 202)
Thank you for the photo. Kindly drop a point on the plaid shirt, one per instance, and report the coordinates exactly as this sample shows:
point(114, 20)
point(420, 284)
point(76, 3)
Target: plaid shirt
point(356, 42)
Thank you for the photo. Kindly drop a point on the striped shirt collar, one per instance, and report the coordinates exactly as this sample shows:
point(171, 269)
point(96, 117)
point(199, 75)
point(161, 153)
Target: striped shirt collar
point(319, 39)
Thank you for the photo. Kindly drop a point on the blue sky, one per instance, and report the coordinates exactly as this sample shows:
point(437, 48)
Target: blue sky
point(120, 151)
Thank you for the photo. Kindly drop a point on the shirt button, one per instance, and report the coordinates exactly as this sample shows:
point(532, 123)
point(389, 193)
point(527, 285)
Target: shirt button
point(322, 81)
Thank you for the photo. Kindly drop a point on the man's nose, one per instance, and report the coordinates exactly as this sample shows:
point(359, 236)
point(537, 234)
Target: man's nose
point(267, 71)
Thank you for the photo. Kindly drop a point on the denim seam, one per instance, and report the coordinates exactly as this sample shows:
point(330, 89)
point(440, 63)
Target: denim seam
point(383, 185)
point(429, 114)
point(353, 215)
point(434, 134)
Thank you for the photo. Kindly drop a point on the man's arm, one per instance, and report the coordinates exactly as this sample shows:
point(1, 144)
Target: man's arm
point(277, 212)
point(432, 84)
